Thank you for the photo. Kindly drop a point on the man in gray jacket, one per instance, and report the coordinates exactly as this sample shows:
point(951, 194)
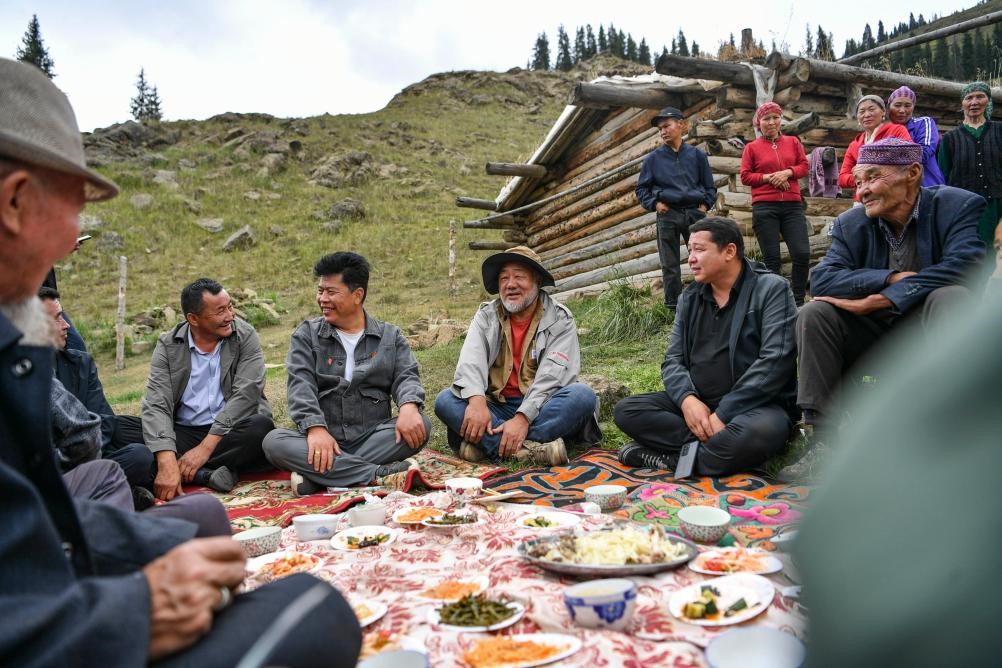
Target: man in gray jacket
point(514, 392)
point(343, 368)
point(204, 414)
point(730, 372)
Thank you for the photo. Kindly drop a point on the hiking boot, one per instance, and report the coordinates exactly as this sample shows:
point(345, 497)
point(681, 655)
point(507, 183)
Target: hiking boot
point(385, 471)
point(142, 498)
point(303, 486)
point(811, 463)
point(551, 453)
point(223, 479)
point(641, 457)
point(471, 453)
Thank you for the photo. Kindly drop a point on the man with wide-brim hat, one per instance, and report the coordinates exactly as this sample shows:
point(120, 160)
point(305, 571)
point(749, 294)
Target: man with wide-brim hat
point(908, 255)
point(515, 392)
point(109, 588)
point(676, 183)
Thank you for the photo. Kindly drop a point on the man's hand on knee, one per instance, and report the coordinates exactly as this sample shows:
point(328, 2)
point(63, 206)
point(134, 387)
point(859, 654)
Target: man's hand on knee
point(512, 432)
point(476, 419)
point(410, 426)
point(185, 587)
point(321, 449)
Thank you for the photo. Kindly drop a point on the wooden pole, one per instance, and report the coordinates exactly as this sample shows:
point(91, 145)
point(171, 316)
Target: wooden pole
point(683, 66)
point(452, 257)
point(516, 169)
point(596, 95)
point(473, 203)
point(963, 26)
point(120, 319)
point(492, 245)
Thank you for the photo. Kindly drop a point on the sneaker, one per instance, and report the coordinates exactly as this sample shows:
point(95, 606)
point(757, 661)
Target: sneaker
point(142, 498)
point(551, 453)
point(223, 479)
point(471, 453)
point(811, 463)
point(641, 457)
point(303, 486)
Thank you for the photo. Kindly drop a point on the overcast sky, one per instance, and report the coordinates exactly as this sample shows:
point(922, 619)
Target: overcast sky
point(308, 57)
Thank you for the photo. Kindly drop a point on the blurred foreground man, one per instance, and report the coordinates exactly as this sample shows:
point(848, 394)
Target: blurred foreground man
point(91, 585)
point(515, 392)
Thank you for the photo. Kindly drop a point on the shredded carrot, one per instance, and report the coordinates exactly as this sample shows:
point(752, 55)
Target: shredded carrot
point(419, 514)
point(734, 560)
point(451, 589)
point(499, 651)
point(294, 563)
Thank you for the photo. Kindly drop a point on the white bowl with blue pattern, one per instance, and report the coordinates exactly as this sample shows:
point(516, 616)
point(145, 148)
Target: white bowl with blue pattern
point(602, 604)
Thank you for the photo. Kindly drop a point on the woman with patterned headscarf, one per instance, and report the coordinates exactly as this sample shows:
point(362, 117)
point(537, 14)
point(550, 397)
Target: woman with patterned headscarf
point(771, 165)
point(923, 130)
point(971, 155)
point(871, 114)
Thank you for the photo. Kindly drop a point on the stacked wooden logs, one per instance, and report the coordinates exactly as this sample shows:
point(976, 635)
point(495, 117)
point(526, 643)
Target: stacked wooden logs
point(575, 203)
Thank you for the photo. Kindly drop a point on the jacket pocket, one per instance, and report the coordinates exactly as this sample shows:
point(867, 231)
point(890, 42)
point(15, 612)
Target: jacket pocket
point(375, 405)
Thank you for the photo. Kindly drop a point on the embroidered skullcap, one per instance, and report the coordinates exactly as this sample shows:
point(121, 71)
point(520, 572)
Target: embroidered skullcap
point(765, 110)
point(890, 151)
point(876, 99)
point(984, 88)
point(904, 91)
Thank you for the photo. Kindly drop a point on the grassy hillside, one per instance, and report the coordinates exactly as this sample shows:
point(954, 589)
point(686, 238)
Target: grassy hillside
point(425, 148)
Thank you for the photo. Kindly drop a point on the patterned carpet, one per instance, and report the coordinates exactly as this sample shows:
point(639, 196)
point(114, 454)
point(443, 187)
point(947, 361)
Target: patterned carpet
point(760, 508)
point(267, 499)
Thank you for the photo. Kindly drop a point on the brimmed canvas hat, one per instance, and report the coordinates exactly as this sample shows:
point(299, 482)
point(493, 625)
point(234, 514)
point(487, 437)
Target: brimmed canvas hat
point(37, 127)
point(520, 254)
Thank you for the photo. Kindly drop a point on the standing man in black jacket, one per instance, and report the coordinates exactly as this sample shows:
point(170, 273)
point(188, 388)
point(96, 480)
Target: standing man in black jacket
point(730, 372)
point(675, 182)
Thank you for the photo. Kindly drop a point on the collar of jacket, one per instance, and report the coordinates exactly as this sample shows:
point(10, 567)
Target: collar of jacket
point(372, 327)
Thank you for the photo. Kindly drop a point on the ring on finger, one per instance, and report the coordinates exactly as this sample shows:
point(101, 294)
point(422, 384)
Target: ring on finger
point(225, 598)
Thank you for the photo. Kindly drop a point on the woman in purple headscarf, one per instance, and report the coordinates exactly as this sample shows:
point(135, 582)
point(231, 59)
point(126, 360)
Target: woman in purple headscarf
point(923, 130)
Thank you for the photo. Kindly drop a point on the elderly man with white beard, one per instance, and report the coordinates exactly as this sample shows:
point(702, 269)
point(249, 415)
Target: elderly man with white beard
point(515, 392)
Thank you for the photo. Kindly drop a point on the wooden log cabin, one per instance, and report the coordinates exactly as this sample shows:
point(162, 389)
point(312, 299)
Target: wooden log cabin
point(573, 201)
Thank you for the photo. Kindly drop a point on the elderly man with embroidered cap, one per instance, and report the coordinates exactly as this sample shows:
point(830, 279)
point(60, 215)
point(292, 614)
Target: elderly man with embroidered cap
point(514, 393)
point(906, 255)
point(87, 583)
point(676, 183)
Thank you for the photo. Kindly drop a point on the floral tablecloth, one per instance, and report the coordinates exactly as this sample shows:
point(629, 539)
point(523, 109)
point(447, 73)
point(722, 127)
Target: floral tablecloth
point(422, 557)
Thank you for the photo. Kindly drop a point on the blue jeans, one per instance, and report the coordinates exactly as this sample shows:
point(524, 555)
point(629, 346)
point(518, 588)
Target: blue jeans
point(563, 414)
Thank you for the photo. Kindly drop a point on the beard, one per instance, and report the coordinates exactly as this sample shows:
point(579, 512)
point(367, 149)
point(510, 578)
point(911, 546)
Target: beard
point(513, 307)
point(37, 327)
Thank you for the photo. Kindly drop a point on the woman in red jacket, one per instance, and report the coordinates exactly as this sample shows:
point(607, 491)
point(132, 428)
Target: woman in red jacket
point(870, 112)
point(771, 165)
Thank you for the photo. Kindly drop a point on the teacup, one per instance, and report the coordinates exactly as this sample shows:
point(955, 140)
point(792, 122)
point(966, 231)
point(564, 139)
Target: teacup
point(367, 514)
point(464, 489)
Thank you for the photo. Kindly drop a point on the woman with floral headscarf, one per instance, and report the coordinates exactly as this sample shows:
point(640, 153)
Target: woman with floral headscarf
point(923, 131)
point(971, 155)
point(771, 165)
point(871, 114)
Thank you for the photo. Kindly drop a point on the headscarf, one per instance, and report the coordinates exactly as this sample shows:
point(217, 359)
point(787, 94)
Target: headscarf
point(984, 88)
point(876, 99)
point(904, 91)
point(765, 110)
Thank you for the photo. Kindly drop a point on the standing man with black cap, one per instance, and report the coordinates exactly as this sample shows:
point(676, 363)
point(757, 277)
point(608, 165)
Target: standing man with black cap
point(676, 182)
point(515, 392)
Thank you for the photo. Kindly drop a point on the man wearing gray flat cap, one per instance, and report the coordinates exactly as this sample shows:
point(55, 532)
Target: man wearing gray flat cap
point(676, 183)
point(86, 583)
point(515, 392)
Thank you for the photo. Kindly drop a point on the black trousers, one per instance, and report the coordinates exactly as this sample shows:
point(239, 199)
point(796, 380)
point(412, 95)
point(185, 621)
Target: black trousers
point(746, 441)
point(770, 220)
point(239, 450)
point(673, 228)
point(327, 637)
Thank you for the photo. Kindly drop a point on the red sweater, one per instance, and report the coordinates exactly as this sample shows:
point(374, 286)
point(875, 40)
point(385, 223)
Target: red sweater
point(760, 158)
point(886, 130)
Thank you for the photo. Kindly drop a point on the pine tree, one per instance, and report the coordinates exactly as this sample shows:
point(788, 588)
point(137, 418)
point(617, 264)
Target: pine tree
point(867, 42)
point(732, 41)
point(603, 44)
point(631, 49)
point(982, 56)
point(145, 106)
point(580, 50)
point(153, 111)
point(32, 49)
point(683, 44)
point(564, 62)
point(911, 21)
point(920, 22)
point(881, 35)
point(695, 50)
point(967, 60)
point(541, 53)
point(591, 48)
point(940, 66)
point(674, 46)
point(612, 39)
point(825, 49)
point(644, 52)
point(621, 44)
point(809, 42)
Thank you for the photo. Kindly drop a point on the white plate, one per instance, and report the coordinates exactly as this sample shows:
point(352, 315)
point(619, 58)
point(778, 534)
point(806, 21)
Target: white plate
point(401, 511)
point(770, 564)
point(519, 609)
point(559, 520)
point(570, 643)
point(257, 563)
point(376, 611)
point(474, 523)
point(755, 647)
point(481, 581)
point(340, 540)
point(755, 589)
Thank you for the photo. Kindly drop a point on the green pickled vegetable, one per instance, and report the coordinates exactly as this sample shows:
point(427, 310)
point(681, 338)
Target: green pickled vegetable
point(475, 610)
